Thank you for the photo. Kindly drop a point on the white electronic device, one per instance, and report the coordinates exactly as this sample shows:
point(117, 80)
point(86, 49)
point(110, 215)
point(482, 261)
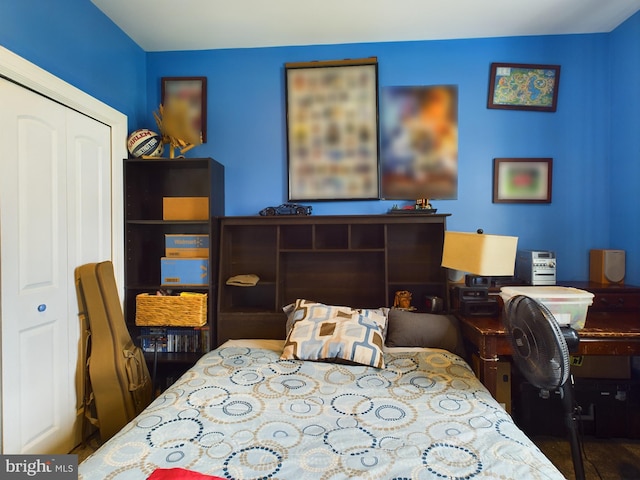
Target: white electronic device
point(535, 267)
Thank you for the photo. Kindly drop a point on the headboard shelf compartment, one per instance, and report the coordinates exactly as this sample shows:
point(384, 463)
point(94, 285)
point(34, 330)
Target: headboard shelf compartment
point(347, 279)
point(296, 237)
point(367, 236)
point(355, 260)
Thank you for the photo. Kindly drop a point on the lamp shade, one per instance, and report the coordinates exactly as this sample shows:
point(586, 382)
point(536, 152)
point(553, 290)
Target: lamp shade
point(480, 254)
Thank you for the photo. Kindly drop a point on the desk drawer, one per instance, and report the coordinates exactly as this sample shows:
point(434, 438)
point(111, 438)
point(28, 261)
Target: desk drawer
point(616, 302)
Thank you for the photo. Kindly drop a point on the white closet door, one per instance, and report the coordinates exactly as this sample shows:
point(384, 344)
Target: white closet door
point(89, 226)
point(41, 238)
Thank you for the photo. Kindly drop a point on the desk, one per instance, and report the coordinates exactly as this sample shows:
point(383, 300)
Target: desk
point(605, 333)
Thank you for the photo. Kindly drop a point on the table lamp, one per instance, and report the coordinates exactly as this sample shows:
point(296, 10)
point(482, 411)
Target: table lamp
point(484, 258)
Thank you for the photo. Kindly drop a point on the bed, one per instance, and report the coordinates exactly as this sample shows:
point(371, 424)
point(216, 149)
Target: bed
point(312, 408)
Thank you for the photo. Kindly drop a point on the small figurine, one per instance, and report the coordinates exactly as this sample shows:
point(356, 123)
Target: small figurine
point(423, 204)
point(402, 300)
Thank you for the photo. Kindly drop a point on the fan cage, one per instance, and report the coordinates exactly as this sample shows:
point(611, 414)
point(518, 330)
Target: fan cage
point(540, 350)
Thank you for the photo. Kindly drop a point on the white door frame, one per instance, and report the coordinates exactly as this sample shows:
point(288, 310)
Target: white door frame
point(29, 75)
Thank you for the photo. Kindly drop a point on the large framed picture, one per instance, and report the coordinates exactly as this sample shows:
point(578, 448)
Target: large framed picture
point(332, 130)
point(419, 142)
point(192, 93)
point(522, 180)
point(519, 86)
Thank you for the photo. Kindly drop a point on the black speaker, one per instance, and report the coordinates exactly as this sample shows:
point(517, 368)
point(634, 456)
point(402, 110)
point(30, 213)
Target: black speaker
point(477, 281)
point(488, 307)
point(472, 293)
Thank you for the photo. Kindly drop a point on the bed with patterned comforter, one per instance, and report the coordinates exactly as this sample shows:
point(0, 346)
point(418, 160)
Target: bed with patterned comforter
point(243, 413)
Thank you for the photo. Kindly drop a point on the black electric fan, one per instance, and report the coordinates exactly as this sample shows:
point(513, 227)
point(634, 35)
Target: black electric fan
point(542, 356)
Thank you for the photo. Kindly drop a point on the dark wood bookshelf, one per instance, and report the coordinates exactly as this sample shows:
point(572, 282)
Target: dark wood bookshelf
point(146, 183)
point(355, 260)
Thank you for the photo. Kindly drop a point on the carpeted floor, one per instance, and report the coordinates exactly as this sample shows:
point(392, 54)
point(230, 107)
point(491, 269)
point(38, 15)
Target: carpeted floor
point(604, 459)
point(86, 449)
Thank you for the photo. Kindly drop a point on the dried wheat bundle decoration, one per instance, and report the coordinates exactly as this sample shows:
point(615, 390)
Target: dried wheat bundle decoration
point(175, 128)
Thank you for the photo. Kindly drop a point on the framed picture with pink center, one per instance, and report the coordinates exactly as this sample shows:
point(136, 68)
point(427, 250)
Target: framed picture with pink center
point(522, 180)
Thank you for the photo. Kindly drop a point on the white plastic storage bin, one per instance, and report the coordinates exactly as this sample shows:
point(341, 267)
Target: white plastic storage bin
point(568, 305)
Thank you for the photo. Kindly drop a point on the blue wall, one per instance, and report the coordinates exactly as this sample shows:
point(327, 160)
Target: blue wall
point(246, 130)
point(625, 144)
point(591, 137)
point(75, 41)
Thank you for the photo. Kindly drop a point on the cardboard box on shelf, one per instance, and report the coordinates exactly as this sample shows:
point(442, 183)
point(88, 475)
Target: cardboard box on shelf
point(184, 271)
point(185, 208)
point(186, 246)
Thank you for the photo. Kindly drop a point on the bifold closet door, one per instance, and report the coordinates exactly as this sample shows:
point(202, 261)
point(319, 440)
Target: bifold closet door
point(54, 214)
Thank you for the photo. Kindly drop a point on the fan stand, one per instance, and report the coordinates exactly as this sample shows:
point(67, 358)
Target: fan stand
point(566, 394)
point(539, 341)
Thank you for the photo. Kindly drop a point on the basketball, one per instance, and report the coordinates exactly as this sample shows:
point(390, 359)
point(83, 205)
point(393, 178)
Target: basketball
point(145, 142)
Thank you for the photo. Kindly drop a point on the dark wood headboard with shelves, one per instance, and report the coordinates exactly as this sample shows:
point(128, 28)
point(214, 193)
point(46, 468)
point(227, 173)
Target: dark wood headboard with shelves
point(359, 260)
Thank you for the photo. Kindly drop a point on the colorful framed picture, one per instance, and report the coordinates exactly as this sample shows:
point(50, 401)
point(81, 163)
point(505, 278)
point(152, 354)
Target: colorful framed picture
point(419, 142)
point(192, 92)
point(522, 180)
point(332, 130)
point(518, 86)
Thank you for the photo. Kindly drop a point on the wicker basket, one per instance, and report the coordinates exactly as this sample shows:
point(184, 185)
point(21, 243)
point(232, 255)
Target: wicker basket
point(174, 311)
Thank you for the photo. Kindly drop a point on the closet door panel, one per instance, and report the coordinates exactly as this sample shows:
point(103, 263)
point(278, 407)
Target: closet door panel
point(89, 227)
point(89, 179)
point(34, 282)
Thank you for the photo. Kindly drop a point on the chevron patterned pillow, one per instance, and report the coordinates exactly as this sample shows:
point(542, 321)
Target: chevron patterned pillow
point(335, 334)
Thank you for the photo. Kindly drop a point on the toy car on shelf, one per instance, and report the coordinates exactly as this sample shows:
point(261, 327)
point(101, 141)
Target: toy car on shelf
point(286, 209)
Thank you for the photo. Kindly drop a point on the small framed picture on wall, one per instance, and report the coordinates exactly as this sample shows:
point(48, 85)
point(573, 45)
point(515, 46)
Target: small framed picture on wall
point(519, 86)
point(191, 94)
point(522, 180)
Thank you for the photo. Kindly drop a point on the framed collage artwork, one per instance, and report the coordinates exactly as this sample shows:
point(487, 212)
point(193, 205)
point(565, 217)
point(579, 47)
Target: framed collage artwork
point(332, 130)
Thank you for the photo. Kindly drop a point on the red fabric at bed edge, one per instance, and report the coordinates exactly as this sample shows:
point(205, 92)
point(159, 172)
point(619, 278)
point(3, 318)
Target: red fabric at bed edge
point(179, 474)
